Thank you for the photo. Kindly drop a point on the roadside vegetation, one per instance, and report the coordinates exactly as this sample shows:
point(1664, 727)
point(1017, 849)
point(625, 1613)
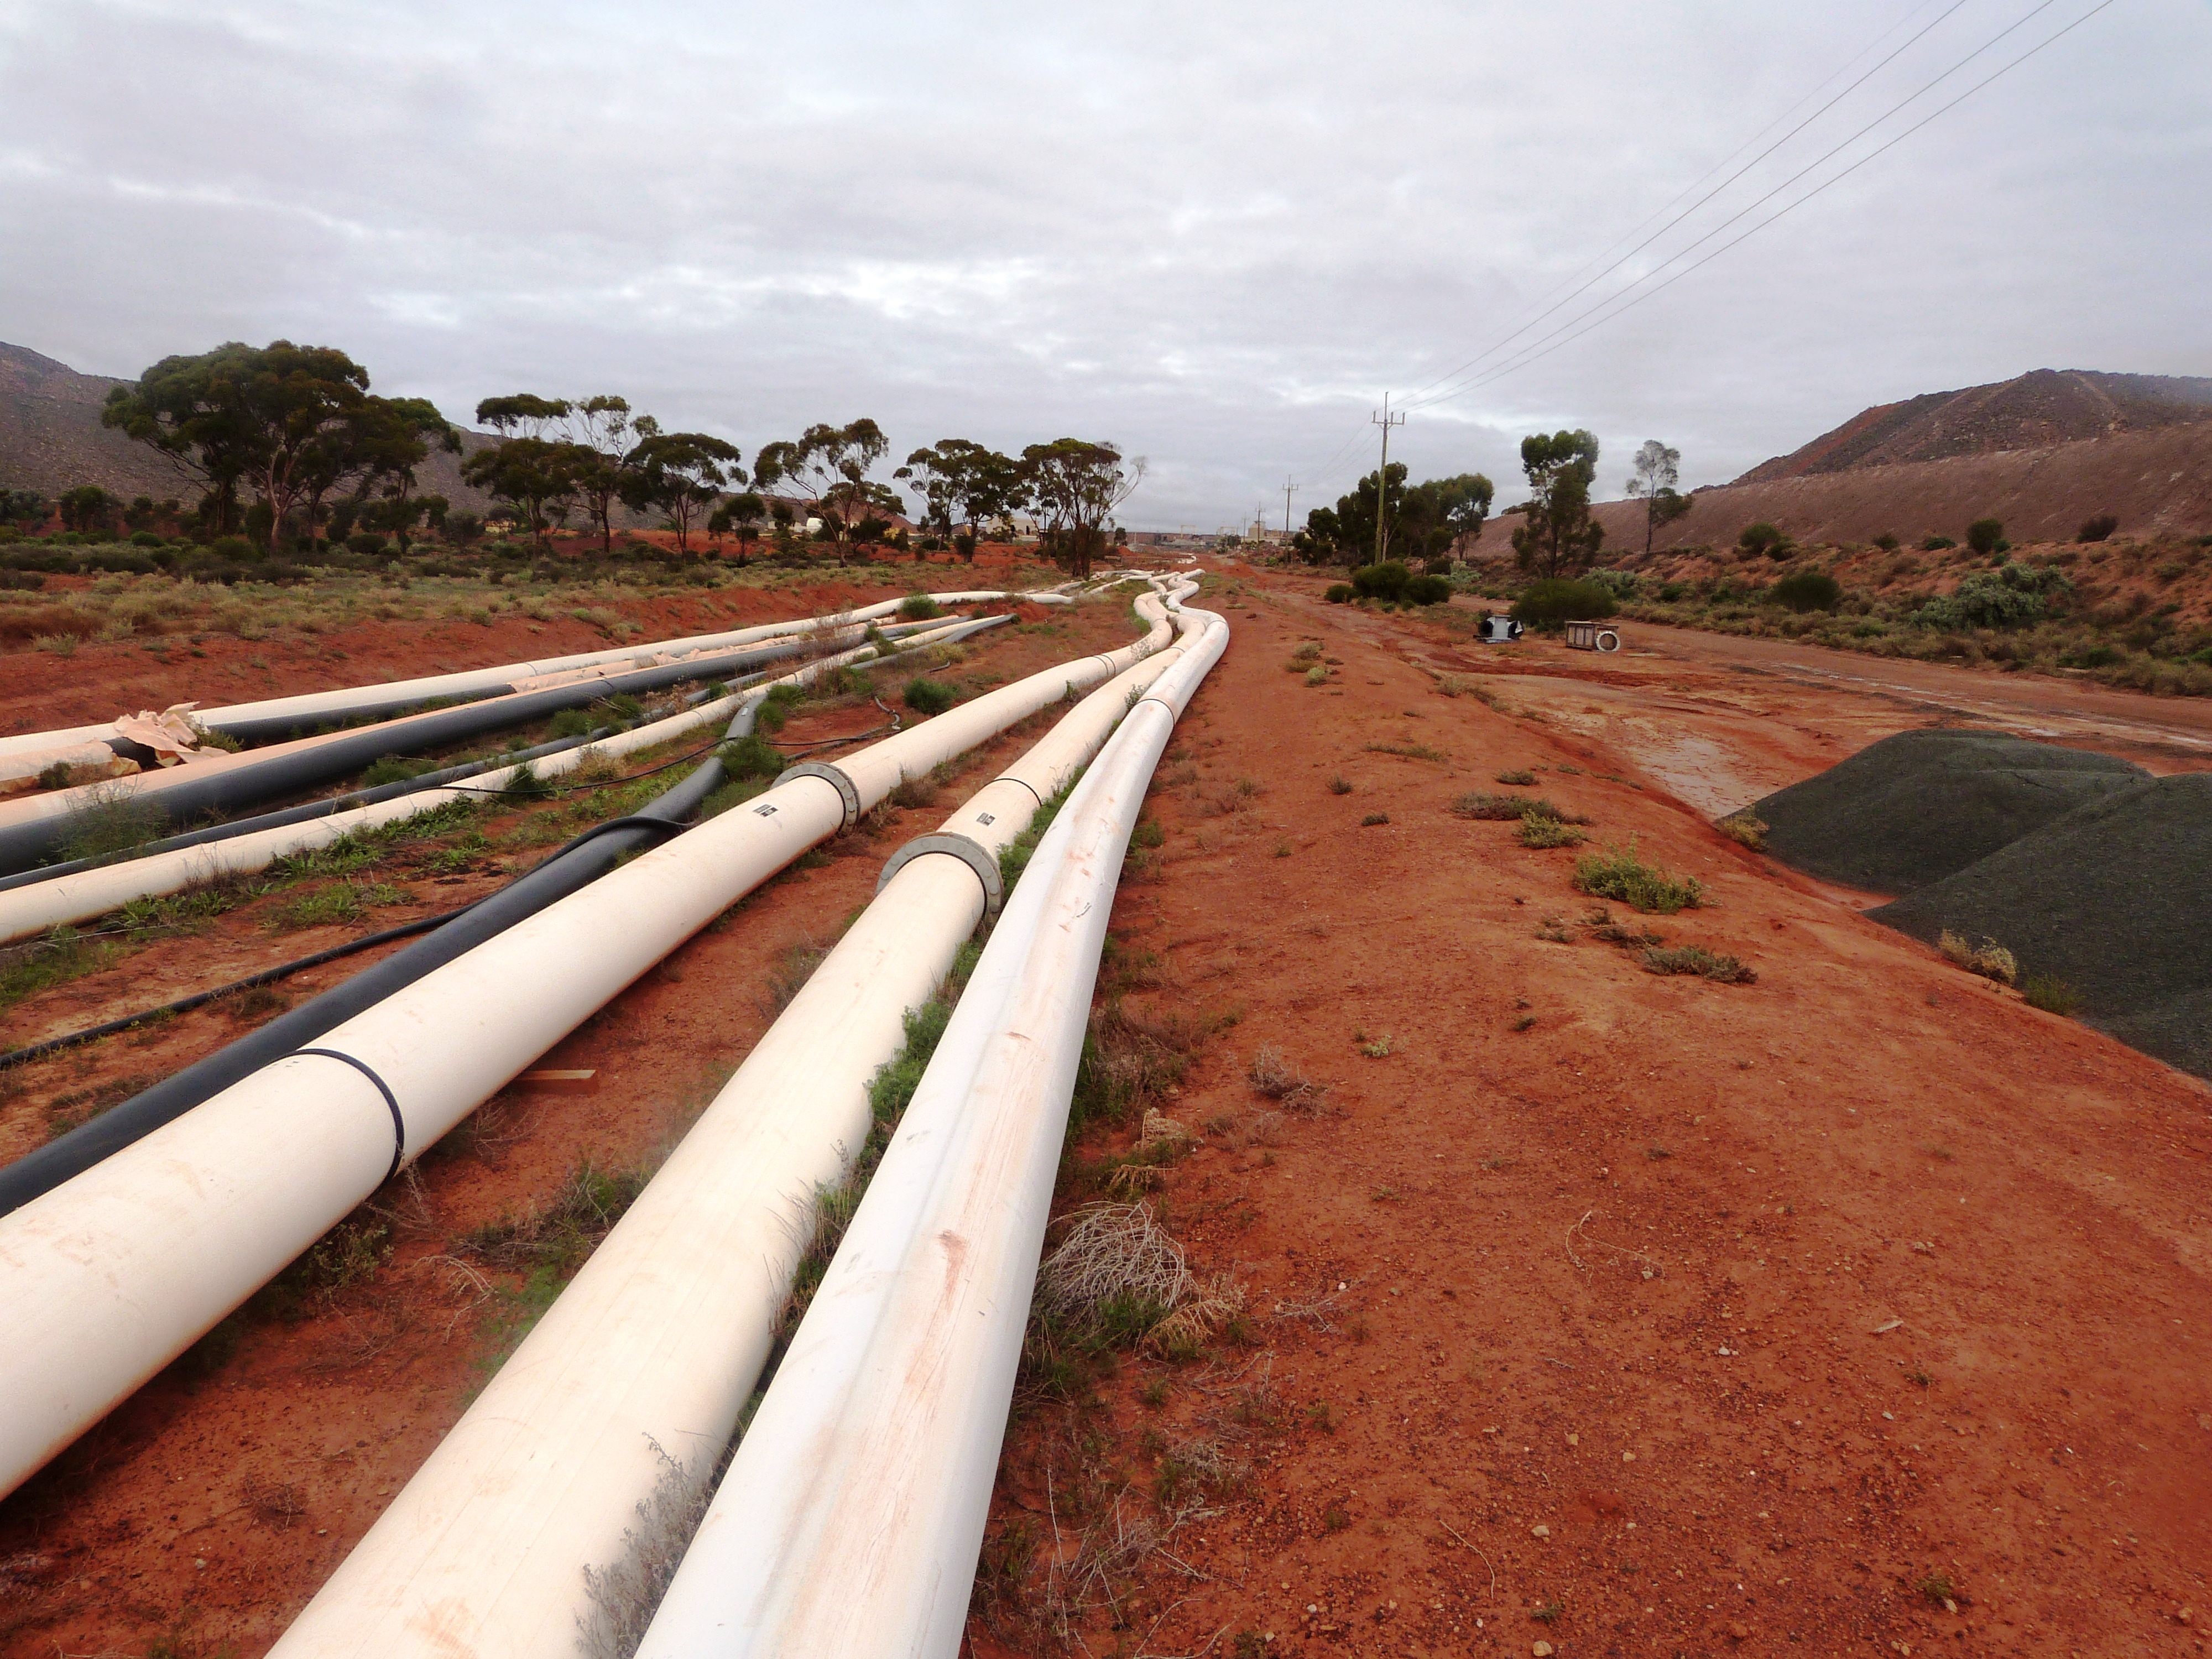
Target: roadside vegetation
point(2128, 611)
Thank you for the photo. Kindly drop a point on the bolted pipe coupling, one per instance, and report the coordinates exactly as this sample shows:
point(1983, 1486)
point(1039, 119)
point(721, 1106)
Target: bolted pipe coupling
point(970, 852)
point(845, 789)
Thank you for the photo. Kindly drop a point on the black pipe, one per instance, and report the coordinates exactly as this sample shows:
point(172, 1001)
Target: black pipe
point(583, 861)
point(299, 814)
point(22, 844)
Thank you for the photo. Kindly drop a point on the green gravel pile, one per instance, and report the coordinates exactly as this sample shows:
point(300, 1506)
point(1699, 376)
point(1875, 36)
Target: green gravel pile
point(1921, 806)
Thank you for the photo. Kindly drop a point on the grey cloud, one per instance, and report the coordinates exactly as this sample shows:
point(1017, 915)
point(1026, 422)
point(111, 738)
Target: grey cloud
point(1215, 235)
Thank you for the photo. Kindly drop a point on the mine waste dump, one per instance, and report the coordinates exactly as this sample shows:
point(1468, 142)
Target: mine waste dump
point(2096, 877)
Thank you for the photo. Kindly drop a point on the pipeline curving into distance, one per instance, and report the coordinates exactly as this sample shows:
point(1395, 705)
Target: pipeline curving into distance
point(654, 1345)
point(125, 1265)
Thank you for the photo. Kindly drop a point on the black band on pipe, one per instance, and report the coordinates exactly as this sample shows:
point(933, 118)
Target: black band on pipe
point(398, 1123)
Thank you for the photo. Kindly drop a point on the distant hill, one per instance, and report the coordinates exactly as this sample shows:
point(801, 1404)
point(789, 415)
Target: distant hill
point(51, 440)
point(2032, 411)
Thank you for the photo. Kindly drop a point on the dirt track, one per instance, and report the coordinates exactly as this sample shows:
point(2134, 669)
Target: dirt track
point(1708, 1317)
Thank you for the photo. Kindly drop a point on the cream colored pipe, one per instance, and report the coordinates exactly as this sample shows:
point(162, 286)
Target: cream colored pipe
point(59, 803)
point(67, 900)
point(129, 1263)
point(851, 1517)
point(658, 1340)
point(325, 705)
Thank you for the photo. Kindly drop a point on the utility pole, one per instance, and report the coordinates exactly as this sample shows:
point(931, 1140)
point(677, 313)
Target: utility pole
point(1290, 488)
point(1386, 420)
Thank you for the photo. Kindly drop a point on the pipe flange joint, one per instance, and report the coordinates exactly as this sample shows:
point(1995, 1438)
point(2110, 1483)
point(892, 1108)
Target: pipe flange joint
point(844, 786)
point(970, 852)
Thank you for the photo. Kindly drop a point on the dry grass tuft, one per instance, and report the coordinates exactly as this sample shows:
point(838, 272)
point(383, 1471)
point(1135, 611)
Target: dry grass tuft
point(1113, 1254)
point(625, 1594)
point(794, 965)
point(1745, 828)
point(276, 1504)
point(1275, 1076)
point(1989, 959)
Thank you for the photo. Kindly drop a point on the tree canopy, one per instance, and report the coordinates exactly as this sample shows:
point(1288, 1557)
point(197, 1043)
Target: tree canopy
point(683, 473)
point(1557, 536)
point(287, 422)
point(831, 463)
point(1658, 469)
point(1073, 486)
point(1426, 520)
point(960, 482)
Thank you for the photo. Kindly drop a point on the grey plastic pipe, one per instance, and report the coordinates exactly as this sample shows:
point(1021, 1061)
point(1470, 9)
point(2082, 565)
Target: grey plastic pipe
point(67, 900)
point(339, 704)
point(129, 1264)
point(658, 1340)
point(852, 1515)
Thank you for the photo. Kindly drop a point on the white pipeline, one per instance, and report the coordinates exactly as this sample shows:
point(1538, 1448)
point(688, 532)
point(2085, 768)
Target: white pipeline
point(321, 706)
point(124, 1266)
point(637, 1373)
point(67, 900)
point(851, 1517)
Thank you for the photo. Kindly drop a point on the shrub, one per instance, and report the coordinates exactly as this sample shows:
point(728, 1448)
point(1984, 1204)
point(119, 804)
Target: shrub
point(1763, 538)
point(1989, 959)
point(920, 607)
point(1316, 675)
point(750, 757)
point(1537, 830)
point(2007, 596)
point(1479, 805)
point(2092, 656)
point(1808, 590)
point(1374, 818)
point(1339, 784)
point(1386, 581)
point(1745, 828)
point(1520, 774)
point(1887, 541)
point(1438, 567)
point(1936, 543)
point(2053, 996)
point(1695, 959)
point(366, 543)
point(1620, 873)
point(1337, 592)
point(1986, 536)
point(392, 769)
point(2097, 529)
point(927, 696)
point(111, 817)
point(1559, 600)
point(1427, 590)
point(1621, 584)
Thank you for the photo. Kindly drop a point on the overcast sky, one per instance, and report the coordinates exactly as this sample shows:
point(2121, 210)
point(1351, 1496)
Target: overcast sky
point(1214, 234)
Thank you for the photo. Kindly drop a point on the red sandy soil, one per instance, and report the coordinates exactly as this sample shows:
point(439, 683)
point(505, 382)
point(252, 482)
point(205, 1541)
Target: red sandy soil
point(97, 680)
point(1717, 1317)
point(2155, 483)
point(1927, 1267)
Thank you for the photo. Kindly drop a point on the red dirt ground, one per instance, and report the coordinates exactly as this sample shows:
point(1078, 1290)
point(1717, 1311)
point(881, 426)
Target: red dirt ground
point(1708, 1317)
point(99, 680)
point(1927, 1289)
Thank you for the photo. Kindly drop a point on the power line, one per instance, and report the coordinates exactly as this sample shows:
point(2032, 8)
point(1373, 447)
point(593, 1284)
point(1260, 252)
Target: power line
point(1334, 464)
point(1586, 286)
point(1666, 206)
point(1532, 353)
point(1832, 151)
